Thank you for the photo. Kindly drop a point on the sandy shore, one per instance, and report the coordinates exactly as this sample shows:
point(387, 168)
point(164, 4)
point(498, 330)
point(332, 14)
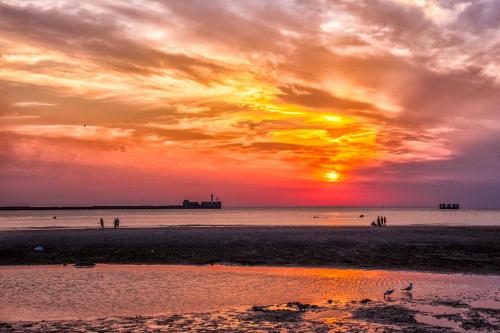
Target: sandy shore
point(449, 249)
point(409, 316)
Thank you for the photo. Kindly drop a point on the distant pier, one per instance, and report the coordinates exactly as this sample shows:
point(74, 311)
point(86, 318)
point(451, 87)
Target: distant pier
point(187, 204)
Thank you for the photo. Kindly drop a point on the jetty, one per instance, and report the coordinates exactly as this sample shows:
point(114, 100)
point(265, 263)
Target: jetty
point(186, 204)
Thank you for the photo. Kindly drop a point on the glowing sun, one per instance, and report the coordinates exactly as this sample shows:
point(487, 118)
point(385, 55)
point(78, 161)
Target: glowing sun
point(332, 176)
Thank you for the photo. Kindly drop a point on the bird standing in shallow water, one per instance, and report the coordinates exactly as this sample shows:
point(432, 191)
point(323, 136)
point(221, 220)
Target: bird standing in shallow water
point(409, 288)
point(388, 292)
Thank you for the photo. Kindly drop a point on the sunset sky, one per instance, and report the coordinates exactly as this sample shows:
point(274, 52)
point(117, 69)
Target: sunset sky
point(380, 102)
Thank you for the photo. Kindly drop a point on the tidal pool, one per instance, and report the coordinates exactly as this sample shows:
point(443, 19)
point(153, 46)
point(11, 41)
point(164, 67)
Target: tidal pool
point(34, 293)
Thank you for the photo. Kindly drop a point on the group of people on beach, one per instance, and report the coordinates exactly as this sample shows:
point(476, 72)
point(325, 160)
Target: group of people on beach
point(116, 223)
point(381, 222)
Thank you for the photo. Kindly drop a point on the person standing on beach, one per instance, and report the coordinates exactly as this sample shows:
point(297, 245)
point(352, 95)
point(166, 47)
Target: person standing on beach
point(114, 223)
point(385, 221)
point(379, 221)
point(117, 223)
point(101, 222)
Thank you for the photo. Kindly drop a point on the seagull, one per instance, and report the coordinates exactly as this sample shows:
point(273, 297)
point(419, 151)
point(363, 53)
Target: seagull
point(409, 288)
point(388, 292)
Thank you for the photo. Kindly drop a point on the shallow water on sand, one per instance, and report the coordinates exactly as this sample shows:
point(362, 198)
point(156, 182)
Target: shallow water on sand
point(320, 216)
point(57, 292)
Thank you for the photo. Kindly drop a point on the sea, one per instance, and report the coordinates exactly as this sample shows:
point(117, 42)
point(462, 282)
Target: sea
point(289, 216)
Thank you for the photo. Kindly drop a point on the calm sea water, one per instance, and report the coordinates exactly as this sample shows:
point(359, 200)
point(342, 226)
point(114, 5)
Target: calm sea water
point(246, 216)
point(57, 292)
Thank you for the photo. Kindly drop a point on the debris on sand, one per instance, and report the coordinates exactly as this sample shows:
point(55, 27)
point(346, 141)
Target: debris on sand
point(302, 307)
point(272, 313)
point(260, 308)
point(38, 248)
point(288, 307)
point(390, 314)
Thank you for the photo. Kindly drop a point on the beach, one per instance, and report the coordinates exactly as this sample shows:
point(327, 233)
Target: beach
point(423, 248)
point(247, 279)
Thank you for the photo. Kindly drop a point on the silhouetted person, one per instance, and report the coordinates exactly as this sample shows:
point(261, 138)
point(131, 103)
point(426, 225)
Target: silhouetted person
point(374, 224)
point(385, 220)
point(101, 222)
point(379, 221)
point(117, 223)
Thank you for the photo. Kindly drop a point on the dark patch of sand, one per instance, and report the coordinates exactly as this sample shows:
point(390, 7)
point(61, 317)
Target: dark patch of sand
point(480, 320)
point(467, 317)
point(386, 314)
point(450, 249)
point(449, 302)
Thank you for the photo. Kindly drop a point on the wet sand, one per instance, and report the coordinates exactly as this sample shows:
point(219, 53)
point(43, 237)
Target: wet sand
point(440, 249)
point(331, 316)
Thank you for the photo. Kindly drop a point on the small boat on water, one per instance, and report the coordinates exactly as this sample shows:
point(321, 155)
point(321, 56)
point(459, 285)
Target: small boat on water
point(84, 265)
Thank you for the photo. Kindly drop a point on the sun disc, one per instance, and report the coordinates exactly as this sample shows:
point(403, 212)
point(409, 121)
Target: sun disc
point(332, 176)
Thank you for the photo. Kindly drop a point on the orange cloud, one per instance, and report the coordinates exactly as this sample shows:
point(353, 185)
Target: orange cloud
point(300, 97)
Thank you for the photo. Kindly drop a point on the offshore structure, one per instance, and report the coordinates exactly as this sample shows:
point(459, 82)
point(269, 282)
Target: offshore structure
point(449, 206)
point(212, 204)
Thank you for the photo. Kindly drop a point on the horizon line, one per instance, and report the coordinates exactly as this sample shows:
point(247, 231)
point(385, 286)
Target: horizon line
point(160, 206)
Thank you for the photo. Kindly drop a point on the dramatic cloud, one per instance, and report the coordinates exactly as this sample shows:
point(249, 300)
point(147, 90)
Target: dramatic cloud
point(285, 102)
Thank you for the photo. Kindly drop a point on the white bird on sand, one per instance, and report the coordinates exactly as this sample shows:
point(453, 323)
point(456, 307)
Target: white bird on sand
point(409, 288)
point(388, 292)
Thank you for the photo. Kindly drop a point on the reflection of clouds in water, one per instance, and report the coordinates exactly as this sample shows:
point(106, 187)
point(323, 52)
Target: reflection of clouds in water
point(36, 293)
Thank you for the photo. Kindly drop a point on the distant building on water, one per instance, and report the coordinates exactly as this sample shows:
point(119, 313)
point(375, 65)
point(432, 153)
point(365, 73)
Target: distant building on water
point(449, 206)
point(212, 204)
